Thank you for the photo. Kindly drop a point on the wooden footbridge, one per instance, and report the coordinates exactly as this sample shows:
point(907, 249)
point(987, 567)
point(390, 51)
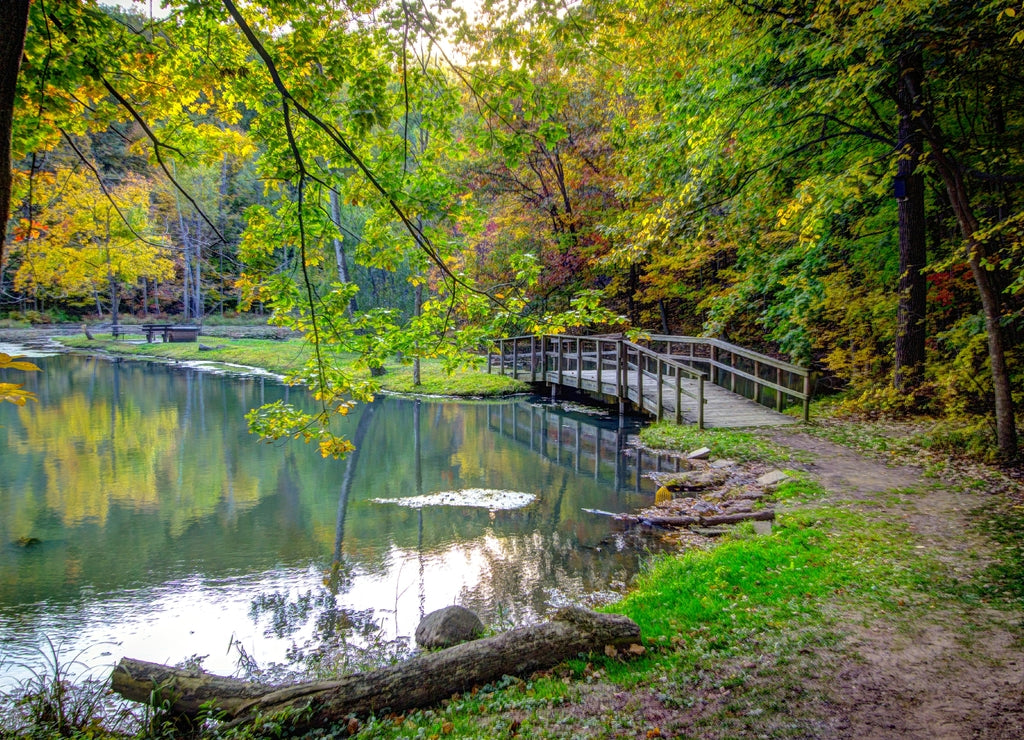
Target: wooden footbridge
point(696, 380)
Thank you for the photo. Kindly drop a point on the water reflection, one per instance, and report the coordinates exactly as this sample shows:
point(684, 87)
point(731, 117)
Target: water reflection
point(165, 530)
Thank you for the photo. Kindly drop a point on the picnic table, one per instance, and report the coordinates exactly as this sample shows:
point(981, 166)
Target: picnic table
point(170, 332)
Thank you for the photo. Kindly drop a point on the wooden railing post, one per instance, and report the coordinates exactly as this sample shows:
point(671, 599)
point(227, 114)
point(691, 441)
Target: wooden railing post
point(679, 396)
point(579, 362)
point(640, 379)
point(560, 355)
point(757, 383)
point(515, 358)
point(501, 356)
point(807, 397)
point(779, 399)
point(660, 387)
point(619, 369)
point(533, 358)
point(700, 402)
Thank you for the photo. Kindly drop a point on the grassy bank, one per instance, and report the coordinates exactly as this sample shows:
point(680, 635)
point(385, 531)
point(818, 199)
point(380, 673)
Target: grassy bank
point(284, 355)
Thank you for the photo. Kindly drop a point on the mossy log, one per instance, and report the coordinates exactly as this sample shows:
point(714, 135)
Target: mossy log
point(683, 520)
point(182, 691)
point(424, 680)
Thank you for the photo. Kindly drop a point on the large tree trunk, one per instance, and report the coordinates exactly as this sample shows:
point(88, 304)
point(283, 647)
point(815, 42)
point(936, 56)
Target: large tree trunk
point(424, 680)
point(14, 25)
point(913, 289)
point(979, 260)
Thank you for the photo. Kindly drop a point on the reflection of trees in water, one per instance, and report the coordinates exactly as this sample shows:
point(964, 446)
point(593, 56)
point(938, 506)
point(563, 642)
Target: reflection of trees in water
point(286, 616)
point(343, 639)
point(530, 576)
point(339, 576)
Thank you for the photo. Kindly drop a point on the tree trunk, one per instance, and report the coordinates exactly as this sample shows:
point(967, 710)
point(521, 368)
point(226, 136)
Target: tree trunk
point(340, 259)
point(14, 25)
point(187, 691)
point(424, 680)
point(913, 289)
point(978, 259)
point(417, 312)
point(115, 294)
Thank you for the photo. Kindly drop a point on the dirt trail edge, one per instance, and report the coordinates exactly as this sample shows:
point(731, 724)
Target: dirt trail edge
point(949, 675)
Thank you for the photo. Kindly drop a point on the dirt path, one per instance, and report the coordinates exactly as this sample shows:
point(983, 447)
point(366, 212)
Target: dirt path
point(950, 675)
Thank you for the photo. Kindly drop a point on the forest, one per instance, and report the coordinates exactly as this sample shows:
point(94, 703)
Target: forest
point(837, 183)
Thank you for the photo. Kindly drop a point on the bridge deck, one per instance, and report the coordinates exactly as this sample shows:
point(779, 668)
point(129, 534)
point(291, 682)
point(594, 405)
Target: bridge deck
point(722, 408)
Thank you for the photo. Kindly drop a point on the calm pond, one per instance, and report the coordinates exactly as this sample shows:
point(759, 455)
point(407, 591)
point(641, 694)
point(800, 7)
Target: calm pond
point(138, 517)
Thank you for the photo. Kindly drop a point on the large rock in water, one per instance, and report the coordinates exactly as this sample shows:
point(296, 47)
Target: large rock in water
point(447, 627)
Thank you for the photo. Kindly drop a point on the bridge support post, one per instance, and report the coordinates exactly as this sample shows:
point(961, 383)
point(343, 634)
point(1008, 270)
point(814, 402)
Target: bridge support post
point(679, 397)
point(618, 373)
point(640, 380)
point(579, 363)
point(700, 402)
point(533, 359)
point(660, 390)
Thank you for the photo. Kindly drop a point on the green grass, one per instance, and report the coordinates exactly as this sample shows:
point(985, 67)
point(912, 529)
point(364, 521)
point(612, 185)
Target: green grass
point(1003, 579)
point(799, 488)
point(723, 443)
point(283, 356)
point(272, 355)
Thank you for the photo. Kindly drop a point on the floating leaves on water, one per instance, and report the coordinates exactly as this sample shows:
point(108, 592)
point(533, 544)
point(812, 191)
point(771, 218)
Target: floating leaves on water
point(484, 498)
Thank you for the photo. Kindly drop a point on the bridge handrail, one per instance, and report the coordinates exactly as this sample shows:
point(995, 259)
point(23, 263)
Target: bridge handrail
point(567, 349)
point(734, 349)
point(647, 351)
point(803, 394)
point(693, 373)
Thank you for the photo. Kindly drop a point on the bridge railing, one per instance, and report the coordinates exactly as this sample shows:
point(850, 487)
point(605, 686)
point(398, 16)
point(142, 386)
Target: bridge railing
point(764, 379)
point(610, 366)
point(654, 363)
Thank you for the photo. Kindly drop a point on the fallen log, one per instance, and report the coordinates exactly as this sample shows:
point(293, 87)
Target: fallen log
point(182, 691)
point(689, 521)
point(421, 681)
